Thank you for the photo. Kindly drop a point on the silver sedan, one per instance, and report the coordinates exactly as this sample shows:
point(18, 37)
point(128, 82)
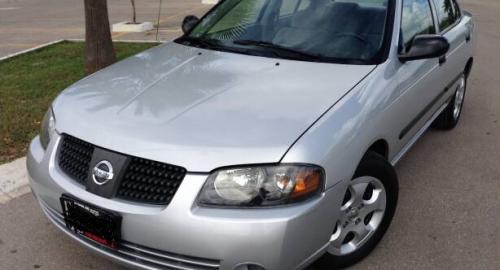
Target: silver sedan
point(263, 138)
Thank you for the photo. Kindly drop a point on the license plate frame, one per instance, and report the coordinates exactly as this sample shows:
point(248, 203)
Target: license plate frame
point(91, 222)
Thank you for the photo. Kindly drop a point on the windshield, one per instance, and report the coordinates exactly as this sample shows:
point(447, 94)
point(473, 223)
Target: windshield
point(329, 30)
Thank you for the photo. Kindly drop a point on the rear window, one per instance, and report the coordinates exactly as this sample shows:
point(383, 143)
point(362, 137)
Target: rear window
point(447, 12)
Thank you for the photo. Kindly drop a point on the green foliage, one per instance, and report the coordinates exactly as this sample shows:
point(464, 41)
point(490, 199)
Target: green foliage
point(29, 83)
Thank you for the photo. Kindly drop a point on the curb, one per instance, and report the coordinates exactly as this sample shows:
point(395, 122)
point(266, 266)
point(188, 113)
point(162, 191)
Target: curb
point(119, 41)
point(13, 180)
point(31, 49)
point(71, 40)
point(5, 198)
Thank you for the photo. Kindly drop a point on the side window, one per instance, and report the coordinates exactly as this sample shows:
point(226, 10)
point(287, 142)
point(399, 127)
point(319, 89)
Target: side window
point(447, 13)
point(417, 20)
point(304, 4)
point(458, 12)
point(288, 7)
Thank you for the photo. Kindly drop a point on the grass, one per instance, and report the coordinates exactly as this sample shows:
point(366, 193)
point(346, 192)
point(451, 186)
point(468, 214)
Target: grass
point(29, 83)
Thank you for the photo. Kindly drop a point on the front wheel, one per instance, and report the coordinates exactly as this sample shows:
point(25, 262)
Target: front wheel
point(365, 214)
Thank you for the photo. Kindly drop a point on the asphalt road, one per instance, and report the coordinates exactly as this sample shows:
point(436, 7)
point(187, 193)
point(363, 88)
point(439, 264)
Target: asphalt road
point(27, 23)
point(448, 215)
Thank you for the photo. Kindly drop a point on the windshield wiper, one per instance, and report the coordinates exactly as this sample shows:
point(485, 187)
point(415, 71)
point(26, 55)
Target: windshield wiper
point(278, 49)
point(208, 43)
point(203, 42)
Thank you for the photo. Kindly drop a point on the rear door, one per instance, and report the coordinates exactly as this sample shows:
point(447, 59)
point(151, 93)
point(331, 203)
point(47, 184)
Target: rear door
point(452, 26)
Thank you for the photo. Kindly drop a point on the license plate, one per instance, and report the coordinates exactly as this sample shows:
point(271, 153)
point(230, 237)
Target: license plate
point(91, 222)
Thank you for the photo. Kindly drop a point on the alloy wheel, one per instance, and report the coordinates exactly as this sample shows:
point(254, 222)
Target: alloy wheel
point(362, 212)
point(459, 99)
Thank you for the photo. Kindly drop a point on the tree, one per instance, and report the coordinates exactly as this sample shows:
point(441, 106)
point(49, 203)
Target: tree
point(99, 51)
point(134, 16)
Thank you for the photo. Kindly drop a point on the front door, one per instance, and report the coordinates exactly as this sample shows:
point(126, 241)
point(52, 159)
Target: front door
point(419, 83)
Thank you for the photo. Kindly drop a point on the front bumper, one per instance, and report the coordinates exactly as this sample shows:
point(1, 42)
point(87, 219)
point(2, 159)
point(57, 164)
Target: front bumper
point(186, 236)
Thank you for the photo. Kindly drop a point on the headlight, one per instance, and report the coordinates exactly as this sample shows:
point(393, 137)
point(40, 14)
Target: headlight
point(262, 186)
point(48, 128)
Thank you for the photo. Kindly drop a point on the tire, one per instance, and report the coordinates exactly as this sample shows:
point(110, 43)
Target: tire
point(449, 118)
point(372, 166)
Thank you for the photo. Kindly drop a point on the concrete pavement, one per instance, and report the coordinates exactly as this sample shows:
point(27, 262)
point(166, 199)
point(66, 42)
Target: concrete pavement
point(449, 209)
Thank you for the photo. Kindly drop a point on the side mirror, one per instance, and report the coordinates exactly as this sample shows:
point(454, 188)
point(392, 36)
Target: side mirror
point(425, 47)
point(188, 23)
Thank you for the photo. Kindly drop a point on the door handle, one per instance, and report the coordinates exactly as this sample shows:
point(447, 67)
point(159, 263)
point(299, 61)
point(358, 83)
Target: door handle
point(467, 37)
point(442, 60)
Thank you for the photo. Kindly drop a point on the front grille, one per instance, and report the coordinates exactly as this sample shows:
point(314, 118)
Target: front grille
point(150, 181)
point(143, 180)
point(166, 260)
point(74, 158)
point(135, 254)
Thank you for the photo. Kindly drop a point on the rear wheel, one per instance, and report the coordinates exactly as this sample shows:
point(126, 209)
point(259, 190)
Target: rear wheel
point(449, 118)
point(365, 214)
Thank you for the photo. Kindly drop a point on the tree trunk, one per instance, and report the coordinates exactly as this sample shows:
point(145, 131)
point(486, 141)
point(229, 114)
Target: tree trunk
point(134, 16)
point(99, 51)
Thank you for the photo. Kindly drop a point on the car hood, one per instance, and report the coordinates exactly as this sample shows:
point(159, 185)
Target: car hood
point(202, 109)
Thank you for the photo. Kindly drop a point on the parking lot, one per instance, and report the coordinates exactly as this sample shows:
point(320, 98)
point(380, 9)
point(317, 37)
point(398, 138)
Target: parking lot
point(448, 215)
